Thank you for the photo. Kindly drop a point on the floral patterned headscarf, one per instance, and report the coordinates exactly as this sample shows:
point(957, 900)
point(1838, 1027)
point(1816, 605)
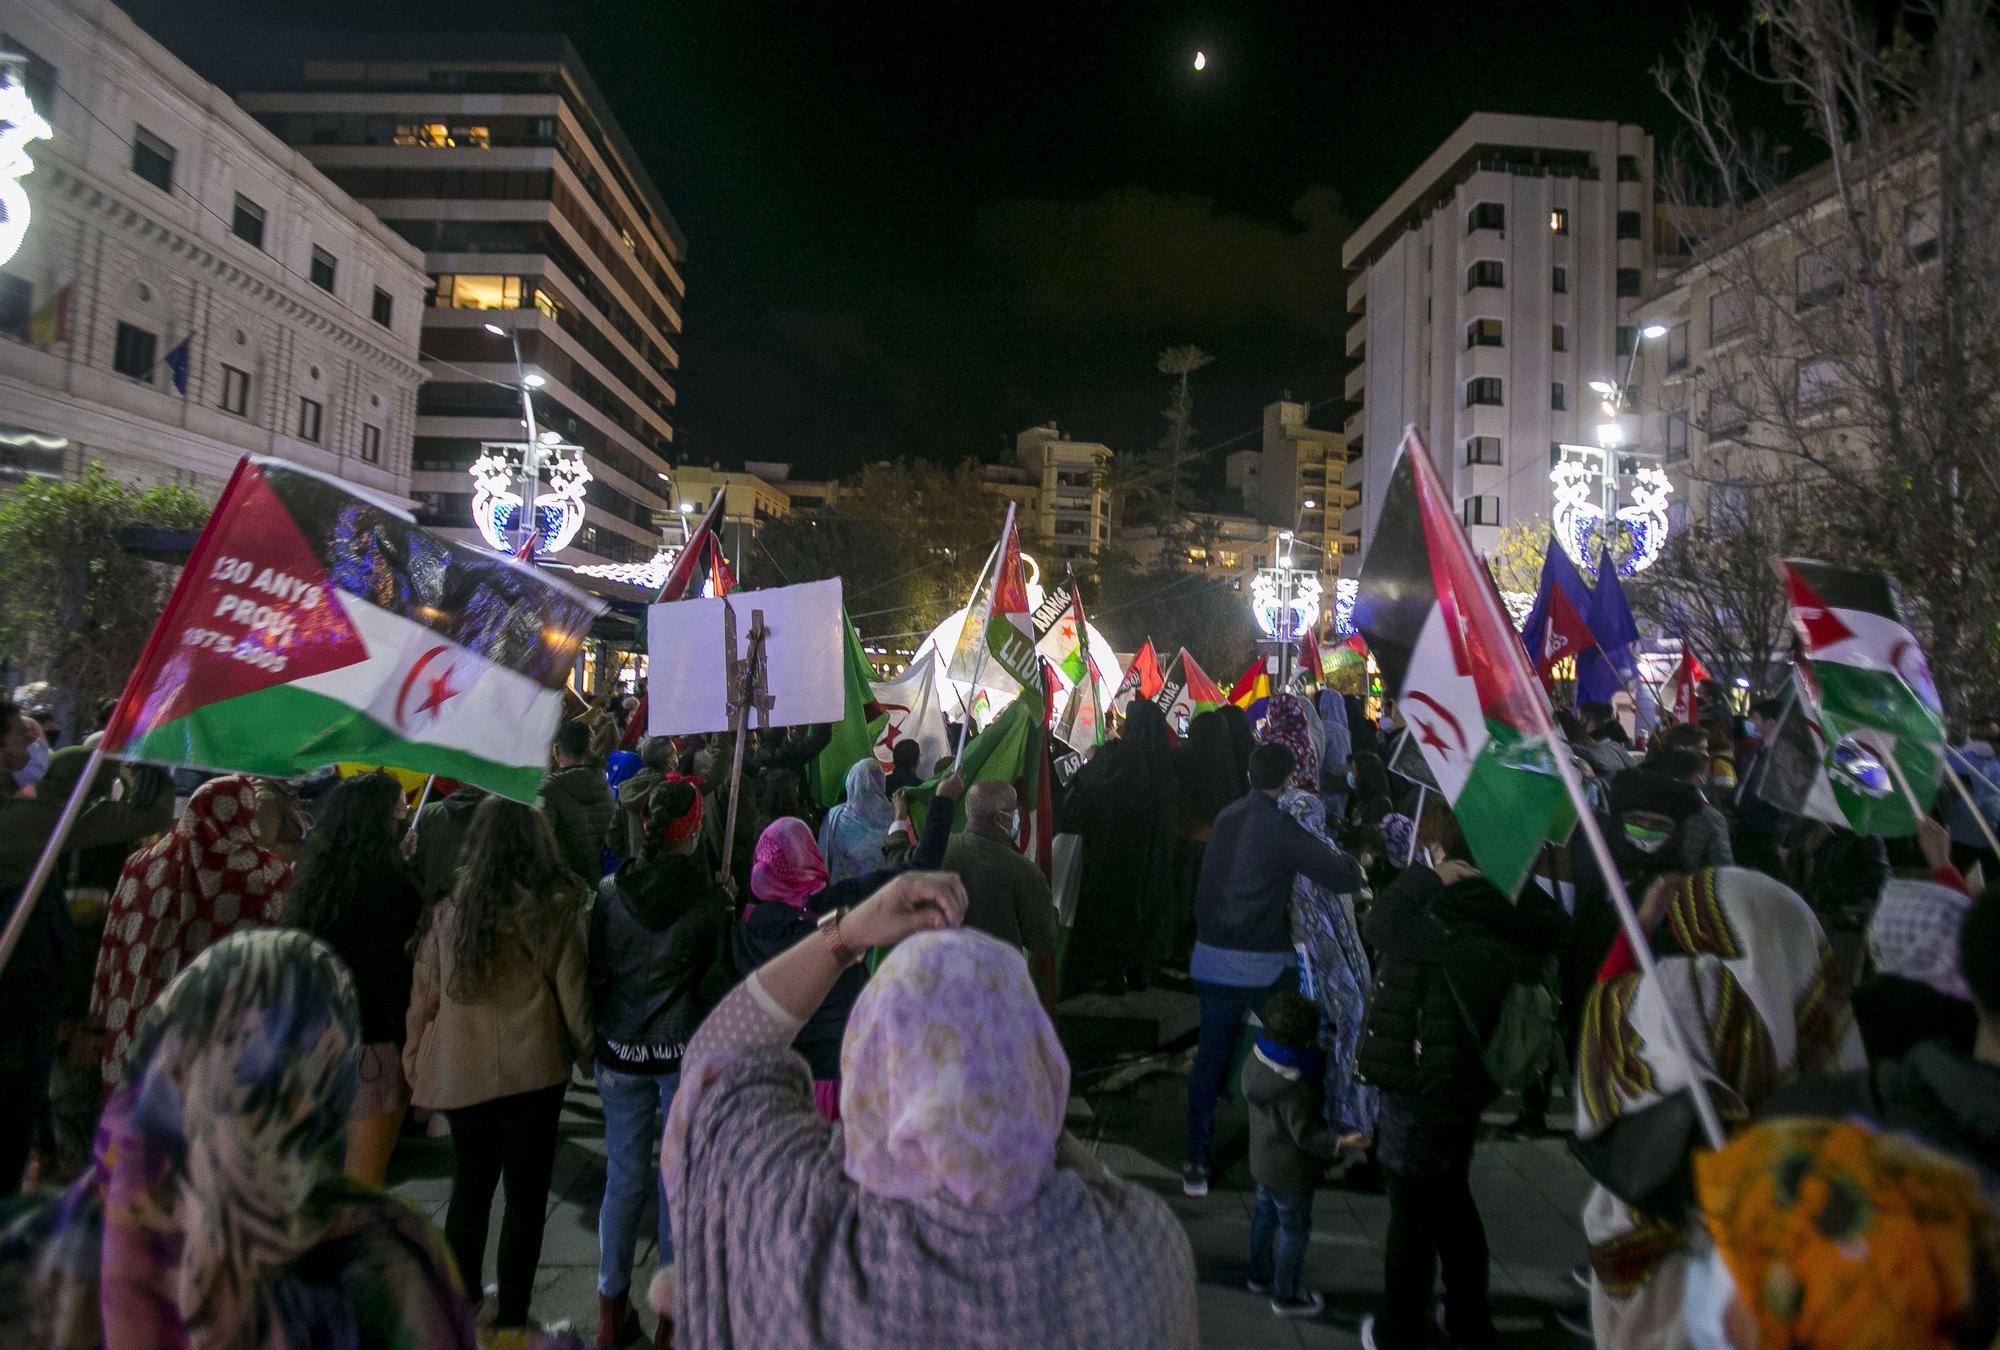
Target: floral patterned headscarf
point(953, 1083)
point(1291, 722)
point(1836, 1236)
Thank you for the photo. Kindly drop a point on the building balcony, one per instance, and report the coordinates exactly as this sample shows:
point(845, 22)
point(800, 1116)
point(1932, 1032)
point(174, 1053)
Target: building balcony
point(1357, 380)
point(1357, 295)
point(1357, 336)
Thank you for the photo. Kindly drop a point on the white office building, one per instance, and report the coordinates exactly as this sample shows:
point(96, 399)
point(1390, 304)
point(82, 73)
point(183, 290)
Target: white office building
point(1493, 287)
point(175, 242)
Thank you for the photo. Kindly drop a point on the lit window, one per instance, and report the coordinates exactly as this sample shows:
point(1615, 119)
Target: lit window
point(1559, 221)
point(479, 292)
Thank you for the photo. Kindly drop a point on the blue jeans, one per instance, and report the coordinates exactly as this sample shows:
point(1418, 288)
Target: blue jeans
point(635, 1116)
point(1223, 1008)
point(1283, 1219)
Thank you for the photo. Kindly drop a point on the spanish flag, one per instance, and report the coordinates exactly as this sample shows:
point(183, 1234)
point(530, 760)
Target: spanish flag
point(1252, 685)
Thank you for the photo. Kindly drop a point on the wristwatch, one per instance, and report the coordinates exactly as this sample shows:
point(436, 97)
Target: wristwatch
point(829, 929)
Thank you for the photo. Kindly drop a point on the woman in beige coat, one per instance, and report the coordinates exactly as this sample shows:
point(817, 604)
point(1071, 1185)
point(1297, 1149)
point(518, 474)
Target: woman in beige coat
point(498, 1014)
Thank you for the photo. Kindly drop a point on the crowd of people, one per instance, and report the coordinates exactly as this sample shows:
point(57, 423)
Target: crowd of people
point(825, 1048)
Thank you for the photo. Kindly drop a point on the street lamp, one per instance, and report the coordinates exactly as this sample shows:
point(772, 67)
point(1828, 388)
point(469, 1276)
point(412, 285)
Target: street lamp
point(531, 465)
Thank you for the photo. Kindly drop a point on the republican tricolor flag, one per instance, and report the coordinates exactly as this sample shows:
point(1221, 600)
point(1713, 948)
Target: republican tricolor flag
point(1445, 647)
point(313, 625)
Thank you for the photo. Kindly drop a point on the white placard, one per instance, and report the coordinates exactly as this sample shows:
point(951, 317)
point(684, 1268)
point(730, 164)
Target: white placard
point(686, 682)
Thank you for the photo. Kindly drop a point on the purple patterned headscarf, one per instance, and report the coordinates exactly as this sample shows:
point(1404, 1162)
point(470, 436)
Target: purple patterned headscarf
point(1291, 722)
point(952, 1081)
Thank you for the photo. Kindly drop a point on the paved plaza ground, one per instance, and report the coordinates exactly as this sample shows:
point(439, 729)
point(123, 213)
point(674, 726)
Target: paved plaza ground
point(1128, 1108)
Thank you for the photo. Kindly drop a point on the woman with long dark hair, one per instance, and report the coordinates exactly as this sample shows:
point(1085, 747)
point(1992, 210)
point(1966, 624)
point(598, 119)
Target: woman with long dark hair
point(498, 1014)
point(1122, 803)
point(353, 891)
point(1207, 777)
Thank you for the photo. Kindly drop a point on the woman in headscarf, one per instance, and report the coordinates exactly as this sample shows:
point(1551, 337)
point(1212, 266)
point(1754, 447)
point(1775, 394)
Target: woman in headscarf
point(947, 1205)
point(353, 891)
point(1123, 803)
point(1829, 1236)
point(214, 1213)
point(852, 835)
point(1746, 972)
point(788, 877)
point(1333, 964)
point(1915, 992)
point(214, 872)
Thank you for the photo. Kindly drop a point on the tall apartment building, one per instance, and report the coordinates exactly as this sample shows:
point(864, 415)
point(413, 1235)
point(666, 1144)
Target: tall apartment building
point(1494, 285)
point(1301, 464)
point(1071, 505)
point(203, 291)
point(498, 157)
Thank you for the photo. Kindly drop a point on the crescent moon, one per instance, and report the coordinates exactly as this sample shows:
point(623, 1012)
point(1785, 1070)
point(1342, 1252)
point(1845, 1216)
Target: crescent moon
point(410, 680)
point(1457, 731)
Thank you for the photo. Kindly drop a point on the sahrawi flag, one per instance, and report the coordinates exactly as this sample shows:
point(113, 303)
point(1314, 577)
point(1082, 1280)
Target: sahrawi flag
point(1142, 679)
point(313, 625)
point(1445, 647)
point(995, 647)
point(1877, 703)
point(1061, 638)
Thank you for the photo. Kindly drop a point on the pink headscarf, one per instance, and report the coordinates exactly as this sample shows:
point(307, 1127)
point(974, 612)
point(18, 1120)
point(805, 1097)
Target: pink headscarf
point(952, 1081)
point(786, 866)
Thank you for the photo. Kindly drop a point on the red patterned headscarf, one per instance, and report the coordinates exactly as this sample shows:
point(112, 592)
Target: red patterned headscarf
point(787, 866)
point(683, 826)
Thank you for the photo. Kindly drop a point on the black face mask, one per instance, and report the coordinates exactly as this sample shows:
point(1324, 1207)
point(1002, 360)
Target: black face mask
point(1643, 854)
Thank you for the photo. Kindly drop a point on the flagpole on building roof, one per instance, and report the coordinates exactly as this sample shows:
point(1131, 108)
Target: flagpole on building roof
point(1628, 917)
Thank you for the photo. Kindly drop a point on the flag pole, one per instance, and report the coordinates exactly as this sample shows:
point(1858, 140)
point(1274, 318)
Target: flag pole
point(1966, 793)
point(430, 781)
point(1628, 917)
point(24, 904)
point(1917, 808)
point(979, 655)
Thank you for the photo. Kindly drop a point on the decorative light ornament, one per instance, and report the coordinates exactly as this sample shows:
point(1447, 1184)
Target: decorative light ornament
point(649, 575)
point(496, 497)
point(1345, 591)
point(1267, 606)
point(19, 125)
point(1573, 487)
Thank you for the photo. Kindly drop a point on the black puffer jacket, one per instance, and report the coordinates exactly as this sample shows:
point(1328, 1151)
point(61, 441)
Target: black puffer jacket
point(1439, 946)
point(655, 933)
point(580, 809)
point(1949, 1100)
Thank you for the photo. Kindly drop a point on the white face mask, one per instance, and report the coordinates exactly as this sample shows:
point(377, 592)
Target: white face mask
point(1008, 824)
point(38, 764)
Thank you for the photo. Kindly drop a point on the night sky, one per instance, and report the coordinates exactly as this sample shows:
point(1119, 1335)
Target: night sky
point(914, 231)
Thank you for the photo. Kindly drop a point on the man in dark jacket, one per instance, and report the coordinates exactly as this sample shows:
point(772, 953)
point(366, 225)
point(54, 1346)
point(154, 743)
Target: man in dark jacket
point(1006, 894)
point(1449, 946)
point(656, 935)
point(1948, 1099)
point(578, 802)
point(435, 842)
point(1243, 931)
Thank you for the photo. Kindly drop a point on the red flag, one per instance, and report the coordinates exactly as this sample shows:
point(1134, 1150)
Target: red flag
point(1683, 683)
point(1565, 635)
point(1309, 663)
point(1202, 691)
point(1142, 679)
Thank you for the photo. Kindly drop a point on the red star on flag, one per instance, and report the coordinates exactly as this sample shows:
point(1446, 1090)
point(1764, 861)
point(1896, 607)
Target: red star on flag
point(440, 692)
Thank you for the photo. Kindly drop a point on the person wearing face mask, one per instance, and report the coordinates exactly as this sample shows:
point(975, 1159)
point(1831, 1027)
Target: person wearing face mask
point(1006, 894)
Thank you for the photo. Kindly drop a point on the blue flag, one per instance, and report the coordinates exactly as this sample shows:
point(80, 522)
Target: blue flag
point(1610, 619)
point(1557, 571)
point(177, 365)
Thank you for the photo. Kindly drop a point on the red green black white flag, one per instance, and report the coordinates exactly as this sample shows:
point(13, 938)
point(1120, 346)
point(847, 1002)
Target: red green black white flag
point(1877, 702)
point(313, 624)
point(1460, 676)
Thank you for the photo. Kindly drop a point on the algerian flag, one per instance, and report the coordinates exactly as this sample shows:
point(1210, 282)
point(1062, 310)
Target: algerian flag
point(1060, 634)
point(1445, 647)
point(313, 624)
point(915, 709)
point(1877, 702)
point(995, 647)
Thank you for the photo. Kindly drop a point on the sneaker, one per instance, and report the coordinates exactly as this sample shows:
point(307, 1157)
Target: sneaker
point(1303, 1305)
point(1257, 1286)
point(1194, 1180)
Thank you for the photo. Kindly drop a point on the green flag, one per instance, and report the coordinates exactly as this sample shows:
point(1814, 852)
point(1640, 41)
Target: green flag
point(1005, 751)
point(860, 723)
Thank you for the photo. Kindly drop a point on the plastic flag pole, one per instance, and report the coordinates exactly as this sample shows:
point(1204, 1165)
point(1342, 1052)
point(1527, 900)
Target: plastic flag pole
point(979, 657)
point(24, 904)
point(1966, 793)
